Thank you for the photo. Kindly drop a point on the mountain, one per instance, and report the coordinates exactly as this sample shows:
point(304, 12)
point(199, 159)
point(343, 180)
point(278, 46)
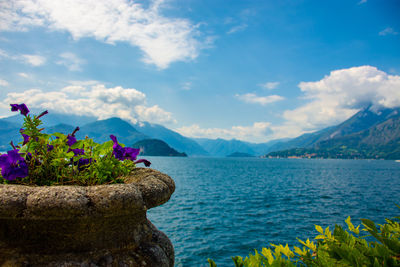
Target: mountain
point(9, 131)
point(362, 120)
point(367, 134)
point(172, 138)
point(156, 147)
point(222, 148)
point(101, 130)
point(60, 128)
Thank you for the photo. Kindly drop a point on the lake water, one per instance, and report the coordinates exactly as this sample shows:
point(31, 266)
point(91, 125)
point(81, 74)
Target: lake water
point(224, 207)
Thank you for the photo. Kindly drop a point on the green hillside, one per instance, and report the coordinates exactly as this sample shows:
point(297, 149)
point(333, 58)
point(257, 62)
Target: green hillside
point(381, 141)
point(155, 147)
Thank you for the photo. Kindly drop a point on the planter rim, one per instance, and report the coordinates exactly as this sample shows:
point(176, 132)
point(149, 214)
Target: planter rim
point(143, 189)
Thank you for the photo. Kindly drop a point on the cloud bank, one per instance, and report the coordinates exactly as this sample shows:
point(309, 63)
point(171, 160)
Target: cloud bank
point(163, 40)
point(97, 100)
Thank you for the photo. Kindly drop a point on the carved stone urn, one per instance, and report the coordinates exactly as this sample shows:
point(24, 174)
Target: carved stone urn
point(102, 225)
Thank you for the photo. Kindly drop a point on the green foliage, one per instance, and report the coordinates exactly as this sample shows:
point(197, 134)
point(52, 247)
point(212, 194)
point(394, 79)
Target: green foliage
point(51, 161)
point(340, 248)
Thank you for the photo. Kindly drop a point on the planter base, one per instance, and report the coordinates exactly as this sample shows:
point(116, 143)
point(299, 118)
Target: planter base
point(156, 251)
point(104, 225)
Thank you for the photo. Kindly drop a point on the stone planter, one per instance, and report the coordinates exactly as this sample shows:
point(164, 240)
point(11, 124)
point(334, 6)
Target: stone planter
point(102, 225)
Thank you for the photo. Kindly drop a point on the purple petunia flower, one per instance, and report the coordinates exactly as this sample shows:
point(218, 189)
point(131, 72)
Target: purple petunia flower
point(49, 147)
point(77, 151)
point(13, 166)
point(71, 140)
point(123, 153)
point(42, 114)
point(145, 161)
point(25, 136)
point(118, 150)
point(131, 153)
point(21, 107)
point(83, 162)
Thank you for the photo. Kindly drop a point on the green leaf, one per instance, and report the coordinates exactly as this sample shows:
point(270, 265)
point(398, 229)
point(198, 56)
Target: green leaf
point(238, 261)
point(319, 229)
point(212, 263)
point(369, 225)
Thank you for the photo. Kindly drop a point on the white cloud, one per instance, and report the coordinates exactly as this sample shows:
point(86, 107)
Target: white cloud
point(255, 133)
point(362, 2)
point(73, 89)
point(187, 86)
point(154, 114)
point(262, 100)
point(3, 82)
point(163, 40)
point(23, 75)
point(270, 85)
point(98, 101)
point(71, 61)
point(34, 60)
point(388, 31)
point(342, 93)
point(237, 28)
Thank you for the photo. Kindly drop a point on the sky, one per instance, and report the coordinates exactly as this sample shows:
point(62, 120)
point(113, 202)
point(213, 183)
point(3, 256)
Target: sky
point(253, 70)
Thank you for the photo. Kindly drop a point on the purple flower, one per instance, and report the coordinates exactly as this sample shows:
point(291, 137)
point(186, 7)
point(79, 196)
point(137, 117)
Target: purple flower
point(13, 166)
point(123, 153)
point(42, 114)
point(77, 151)
point(145, 161)
point(21, 107)
point(74, 132)
point(131, 153)
point(83, 162)
point(71, 140)
point(25, 136)
point(49, 147)
point(118, 150)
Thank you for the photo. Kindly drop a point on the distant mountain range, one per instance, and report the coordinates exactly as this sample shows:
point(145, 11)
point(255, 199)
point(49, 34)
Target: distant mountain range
point(222, 148)
point(156, 147)
point(367, 134)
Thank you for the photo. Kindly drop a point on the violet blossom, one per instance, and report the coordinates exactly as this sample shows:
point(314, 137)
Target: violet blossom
point(130, 153)
point(145, 161)
point(82, 163)
point(42, 114)
point(25, 136)
point(71, 140)
point(123, 153)
point(13, 166)
point(49, 147)
point(21, 107)
point(77, 151)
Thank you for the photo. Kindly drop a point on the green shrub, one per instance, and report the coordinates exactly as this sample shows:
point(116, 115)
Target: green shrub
point(340, 248)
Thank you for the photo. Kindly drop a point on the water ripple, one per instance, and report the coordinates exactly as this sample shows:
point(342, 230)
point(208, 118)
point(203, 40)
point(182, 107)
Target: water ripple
point(226, 207)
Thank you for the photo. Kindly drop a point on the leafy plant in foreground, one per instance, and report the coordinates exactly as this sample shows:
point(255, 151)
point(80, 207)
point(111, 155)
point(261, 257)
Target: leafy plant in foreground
point(59, 159)
point(340, 248)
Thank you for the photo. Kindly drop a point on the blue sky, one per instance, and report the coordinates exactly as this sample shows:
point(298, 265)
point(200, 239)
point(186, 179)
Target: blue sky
point(253, 70)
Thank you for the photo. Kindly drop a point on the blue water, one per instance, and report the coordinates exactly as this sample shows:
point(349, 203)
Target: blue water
point(224, 207)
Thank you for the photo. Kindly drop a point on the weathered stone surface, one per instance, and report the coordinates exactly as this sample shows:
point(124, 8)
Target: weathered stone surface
point(102, 225)
point(156, 187)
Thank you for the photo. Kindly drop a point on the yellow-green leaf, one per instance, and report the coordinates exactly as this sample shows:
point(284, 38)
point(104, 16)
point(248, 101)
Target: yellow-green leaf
point(267, 254)
point(319, 229)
